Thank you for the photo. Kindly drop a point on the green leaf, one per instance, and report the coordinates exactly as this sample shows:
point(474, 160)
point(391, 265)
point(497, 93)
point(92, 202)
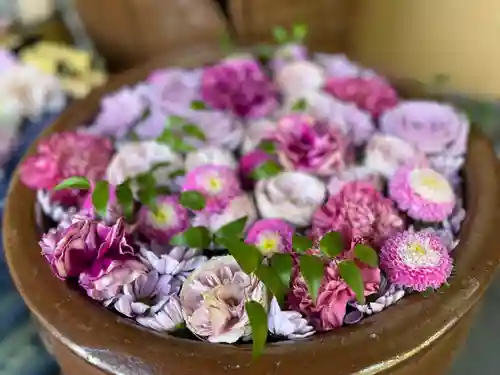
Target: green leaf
point(301, 243)
point(366, 255)
point(268, 147)
point(163, 190)
point(300, 105)
point(178, 145)
point(198, 105)
point(125, 198)
point(331, 244)
point(147, 192)
point(226, 43)
point(100, 197)
point(194, 131)
point(258, 321)
point(267, 169)
point(175, 121)
point(272, 281)
point(157, 166)
point(233, 229)
point(351, 274)
point(74, 183)
point(193, 200)
point(441, 79)
point(264, 51)
point(299, 32)
point(247, 256)
point(166, 136)
point(177, 173)
point(194, 237)
point(133, 136)
point(312, 269)
point(282, 265)
point(280, 35)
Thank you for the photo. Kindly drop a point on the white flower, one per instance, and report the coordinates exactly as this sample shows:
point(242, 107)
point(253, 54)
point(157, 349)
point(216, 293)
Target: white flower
point(392, 296)
point(210, 155)
point(167, 318)
point(256, 131)
point(58, 213)
point(289, 324)
point(300, 76)
point(338, 65)
point(291, 196)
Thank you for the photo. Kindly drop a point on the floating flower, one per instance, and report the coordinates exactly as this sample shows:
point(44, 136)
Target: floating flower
point(416, 260)
point(330, 308)
point(290, 196)
point(64, 155)
point(431, 127)
point(168, 317)
point(286, 53)
point(389, 298)
point(289, 324)
point(308, 145)
point(171, 218)
point(360, 208)
point(384, 154)
point(217, 183)
point(372, 94)
point(210, 155)
point(339, 66)
point(271, 236)
point(53, 209)
point(257, 131)
point(251, 161)
point(423, 193)
point(213, 300)
point(240, 86)
point(357, 173)
point(300, 77)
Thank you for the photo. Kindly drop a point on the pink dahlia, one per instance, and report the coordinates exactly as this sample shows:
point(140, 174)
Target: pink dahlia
point(417, 260)
point(360, 210)
point(219, 184)
point(330, 308)
point(66, 154)
point(423, 193)
point(371, 94)
point(308, 145)
point(240, 86)
point(271, 236)
point(170, 219)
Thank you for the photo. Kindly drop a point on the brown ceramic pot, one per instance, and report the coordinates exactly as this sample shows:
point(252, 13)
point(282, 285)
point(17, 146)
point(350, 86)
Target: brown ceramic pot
point(417, 336)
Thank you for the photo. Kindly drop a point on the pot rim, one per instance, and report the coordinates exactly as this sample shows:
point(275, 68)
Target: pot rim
point(74, 319)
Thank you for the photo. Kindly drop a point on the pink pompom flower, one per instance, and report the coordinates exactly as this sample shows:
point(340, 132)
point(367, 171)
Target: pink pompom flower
point(271, 236)
point(170, 219)
point(219, 184)
point(371, 94)
point(240, 86)
point(423, 193)
point(416, 260)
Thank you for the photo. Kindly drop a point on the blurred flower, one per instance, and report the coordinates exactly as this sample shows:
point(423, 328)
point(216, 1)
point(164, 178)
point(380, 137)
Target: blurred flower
point(300, 77)
point(256, 131)
point(113, 212)
point(7, 60)
point(330, 308)
point(371, 94)
point(287, 53)
point(210, 155)
point(444, 234)
point(449, 166)
point(431, 127)
point(213, 300)
point(291, 196)
point(250, 162)
point(63, 155)
point(308, 145)
point(416, 260)
point(289, 324)
point(271, 236)
point(361, 209)
point(339, 66)
point(58, 212)
point(10, 121)
point(171, 218)
point(357, 173)
point(219, 184)
point(423, 193)
point(240, 86)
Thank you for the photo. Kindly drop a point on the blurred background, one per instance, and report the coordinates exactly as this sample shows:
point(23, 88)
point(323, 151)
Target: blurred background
point(448, 45)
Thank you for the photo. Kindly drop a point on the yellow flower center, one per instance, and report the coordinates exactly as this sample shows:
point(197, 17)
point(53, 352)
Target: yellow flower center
point(269, 243)
point(214, 184)
point(418, 249)
point(164, 215)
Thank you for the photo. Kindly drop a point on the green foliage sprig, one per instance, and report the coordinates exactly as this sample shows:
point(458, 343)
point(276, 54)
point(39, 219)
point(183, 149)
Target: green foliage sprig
point(297, 35)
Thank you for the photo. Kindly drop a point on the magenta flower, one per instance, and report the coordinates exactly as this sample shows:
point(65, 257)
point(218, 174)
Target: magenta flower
point(423, 193)
point(271, 236)
point(371, 94)
point(240, 86)
point(219, 184)
point(170, 219)
point(360, 208)
point(66, 154)
point(114, 211)
point(416, 260)
point(330, 308)
point(308, 145)
point(251, 161)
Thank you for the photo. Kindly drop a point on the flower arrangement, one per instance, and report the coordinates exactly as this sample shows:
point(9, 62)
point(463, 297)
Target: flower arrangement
point(254, 201)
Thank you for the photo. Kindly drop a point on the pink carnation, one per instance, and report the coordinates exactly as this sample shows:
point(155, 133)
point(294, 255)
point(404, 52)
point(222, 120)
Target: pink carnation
point(423, 193)
point(271, 236)
point(330, 308)
point(417, 260)
point(360, 210)
point(371, 94)
point(66, 154)
point(308, 145)
point(240, 86)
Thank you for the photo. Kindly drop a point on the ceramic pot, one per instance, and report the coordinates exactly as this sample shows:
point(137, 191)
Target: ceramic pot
point(417, 336)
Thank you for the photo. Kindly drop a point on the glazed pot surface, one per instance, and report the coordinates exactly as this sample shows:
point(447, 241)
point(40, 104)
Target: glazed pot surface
point(396, 339)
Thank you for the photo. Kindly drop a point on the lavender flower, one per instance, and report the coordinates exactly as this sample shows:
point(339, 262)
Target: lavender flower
point(289, 324)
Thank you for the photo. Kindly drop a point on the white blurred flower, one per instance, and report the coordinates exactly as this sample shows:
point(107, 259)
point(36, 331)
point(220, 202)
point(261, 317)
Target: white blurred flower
point(210, 155)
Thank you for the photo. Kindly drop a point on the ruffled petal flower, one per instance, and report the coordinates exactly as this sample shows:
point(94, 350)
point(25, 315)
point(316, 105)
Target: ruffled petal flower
point(389, 298)
point(257, 131)
point(210, 155)
point(271, 236)
point(416, 260)
point(289, 324)
point(357, 173)
point(423, 193)
point(300, 77)
point(167, 319)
